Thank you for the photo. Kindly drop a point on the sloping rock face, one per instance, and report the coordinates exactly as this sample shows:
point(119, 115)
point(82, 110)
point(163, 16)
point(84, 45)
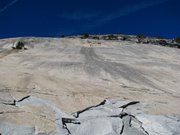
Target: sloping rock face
point(41, 86)
point(110, 117)
point(75, 73)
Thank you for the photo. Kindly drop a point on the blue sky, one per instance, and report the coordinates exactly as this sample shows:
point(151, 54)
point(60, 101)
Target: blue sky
point(51, 18)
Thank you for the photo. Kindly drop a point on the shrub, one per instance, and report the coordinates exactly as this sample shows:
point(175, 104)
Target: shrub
point(86, 35)
point(145, 41)
point(124, 38)
point(62, 36)
point(19, 45)
point(95, 37)
point(104, 37)
point(177, 40)
point(112, 37)
point(140, 37)
point(162, 42)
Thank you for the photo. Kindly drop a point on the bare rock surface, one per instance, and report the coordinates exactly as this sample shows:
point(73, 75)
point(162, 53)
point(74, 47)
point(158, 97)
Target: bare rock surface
point(110, 117)
point(44, 88)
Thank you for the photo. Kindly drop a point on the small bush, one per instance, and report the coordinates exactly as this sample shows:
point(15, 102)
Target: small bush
point(177, 40)
point(124, 38)
point(104, 37)
point(62, 36)
point(146, 41)
point(19, 45)
point(112, 37)
point(141, 37)
point(86, 35)
point(95, 37)
point(162, 42)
